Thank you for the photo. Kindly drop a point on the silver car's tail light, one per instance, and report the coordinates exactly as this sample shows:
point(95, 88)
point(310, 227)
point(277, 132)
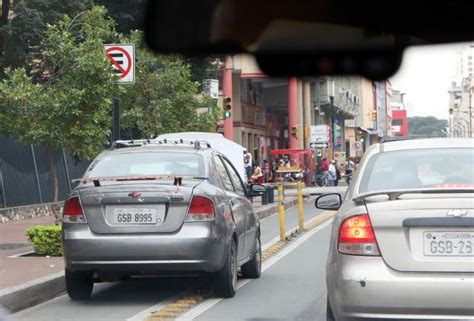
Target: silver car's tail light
point(72, 211)
point(201, 209)
point(357, 237)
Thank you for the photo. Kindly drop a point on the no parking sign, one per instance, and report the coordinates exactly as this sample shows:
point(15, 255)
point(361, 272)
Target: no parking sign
point(122, 57)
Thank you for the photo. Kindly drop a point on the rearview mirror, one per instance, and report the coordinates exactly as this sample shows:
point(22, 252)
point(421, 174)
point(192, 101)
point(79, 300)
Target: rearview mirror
point(304, 37)
point(257, 190)
point(329, 202)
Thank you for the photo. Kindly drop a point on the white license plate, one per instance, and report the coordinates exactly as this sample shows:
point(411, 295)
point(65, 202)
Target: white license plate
point(137, 215)
point(448, 243)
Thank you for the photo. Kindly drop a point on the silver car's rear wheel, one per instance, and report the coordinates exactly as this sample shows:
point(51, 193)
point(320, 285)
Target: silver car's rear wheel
point(253, 268)
point(225, 281)
point(79, 285)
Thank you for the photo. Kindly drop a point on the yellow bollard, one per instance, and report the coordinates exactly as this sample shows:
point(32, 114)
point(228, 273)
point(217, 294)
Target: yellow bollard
point(300, 207)
point(281, 209)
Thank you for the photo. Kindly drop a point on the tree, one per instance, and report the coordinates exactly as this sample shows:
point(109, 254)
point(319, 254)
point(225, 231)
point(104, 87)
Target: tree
point(26, 29)
point(427, 126)
point(127, 14)
point(164, 98)
point(67, 104)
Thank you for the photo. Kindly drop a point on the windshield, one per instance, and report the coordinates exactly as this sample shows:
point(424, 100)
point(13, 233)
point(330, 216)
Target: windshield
point(148, 164)
point(425, 168)
point(190, 181)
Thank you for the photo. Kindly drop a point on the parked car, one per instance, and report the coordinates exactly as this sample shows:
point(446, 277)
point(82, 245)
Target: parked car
point(402, 243)
point(160, 207)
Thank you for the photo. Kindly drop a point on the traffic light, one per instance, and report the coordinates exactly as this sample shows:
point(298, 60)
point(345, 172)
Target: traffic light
point(373, 115)
point(362, 140)
point(294, 132)
point(227, 107)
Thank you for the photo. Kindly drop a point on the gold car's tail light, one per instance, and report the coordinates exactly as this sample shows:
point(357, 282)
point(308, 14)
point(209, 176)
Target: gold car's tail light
point(357, 237)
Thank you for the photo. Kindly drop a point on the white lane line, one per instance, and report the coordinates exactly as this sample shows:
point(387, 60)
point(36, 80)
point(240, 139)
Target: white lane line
point(206, 305)
point(145, 313)
point(288, 232)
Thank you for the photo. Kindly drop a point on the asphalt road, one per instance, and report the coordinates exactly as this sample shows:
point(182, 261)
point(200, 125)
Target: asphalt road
point(291, 287)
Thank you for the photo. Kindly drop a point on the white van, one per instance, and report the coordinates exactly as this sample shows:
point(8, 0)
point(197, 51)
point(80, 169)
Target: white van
point(233, 151)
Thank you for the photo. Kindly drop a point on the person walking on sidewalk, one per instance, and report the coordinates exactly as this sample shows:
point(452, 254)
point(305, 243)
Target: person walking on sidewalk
point(338, 173)
point(332, 174)
point(248, 164)
point(266, 171)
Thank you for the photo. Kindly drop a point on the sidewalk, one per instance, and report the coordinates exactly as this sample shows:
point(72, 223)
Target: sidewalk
point(13, 241)
point(26, 281)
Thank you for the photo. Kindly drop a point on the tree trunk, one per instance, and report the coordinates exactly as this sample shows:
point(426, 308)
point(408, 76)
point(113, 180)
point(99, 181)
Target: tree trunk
point(5, 11)
point(54, 173)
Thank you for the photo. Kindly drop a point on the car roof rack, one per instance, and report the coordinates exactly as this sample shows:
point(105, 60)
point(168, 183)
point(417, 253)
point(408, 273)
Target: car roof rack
point(197, 144)
point(400, 138)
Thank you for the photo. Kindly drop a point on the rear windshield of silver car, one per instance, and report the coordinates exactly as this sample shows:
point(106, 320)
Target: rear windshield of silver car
point(422, 168)
point(148, 164)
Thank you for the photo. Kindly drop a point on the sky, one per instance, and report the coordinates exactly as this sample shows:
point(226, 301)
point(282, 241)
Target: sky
point(425, 76)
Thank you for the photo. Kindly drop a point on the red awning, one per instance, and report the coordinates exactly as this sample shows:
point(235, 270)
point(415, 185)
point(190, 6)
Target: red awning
point(291, 151)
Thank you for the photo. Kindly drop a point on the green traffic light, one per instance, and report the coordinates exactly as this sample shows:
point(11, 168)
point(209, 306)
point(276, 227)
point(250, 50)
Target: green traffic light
point(227, 114)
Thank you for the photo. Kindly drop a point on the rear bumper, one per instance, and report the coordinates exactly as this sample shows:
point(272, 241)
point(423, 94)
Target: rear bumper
point(195, 248)
point(364, 287)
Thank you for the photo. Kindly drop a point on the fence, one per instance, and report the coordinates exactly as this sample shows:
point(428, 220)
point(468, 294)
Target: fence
point(25, 174)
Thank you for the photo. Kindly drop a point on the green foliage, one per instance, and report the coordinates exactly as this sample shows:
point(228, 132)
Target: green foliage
point(65, 100)
point(427, 126)
point(46, 239)
point(164, 98)
point(25, 31)
point(126, 13)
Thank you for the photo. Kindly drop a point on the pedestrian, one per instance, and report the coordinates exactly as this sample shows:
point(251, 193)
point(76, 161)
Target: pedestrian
point(332, 175)
point(257, 176)
point(248, 164)
point(338, 173)
point(266, 171)
point(348, 169)
point(325, 167)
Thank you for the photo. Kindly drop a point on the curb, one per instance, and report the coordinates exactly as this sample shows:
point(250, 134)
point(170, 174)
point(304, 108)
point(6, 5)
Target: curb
point(33, 292)
point(274, 209)
point(43, 289)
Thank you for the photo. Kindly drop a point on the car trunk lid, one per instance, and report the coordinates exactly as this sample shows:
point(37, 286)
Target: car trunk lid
point(136, 207)
point(425, 234)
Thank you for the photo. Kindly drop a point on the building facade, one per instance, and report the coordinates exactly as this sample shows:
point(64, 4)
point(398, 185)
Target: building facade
point(460, 108)
point(282, 113)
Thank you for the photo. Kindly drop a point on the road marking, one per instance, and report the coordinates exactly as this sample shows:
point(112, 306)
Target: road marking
point(206, 305)
point(161, 305)
point(191, 306)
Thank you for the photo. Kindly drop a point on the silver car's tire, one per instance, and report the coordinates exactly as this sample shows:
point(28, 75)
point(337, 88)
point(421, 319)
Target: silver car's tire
point(253, 268)
point(224, 283)
point(79, 285)
point(329, 314)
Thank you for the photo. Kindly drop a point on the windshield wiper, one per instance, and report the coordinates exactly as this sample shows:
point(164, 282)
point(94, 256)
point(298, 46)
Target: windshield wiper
point(395, 194)
point(176, 178)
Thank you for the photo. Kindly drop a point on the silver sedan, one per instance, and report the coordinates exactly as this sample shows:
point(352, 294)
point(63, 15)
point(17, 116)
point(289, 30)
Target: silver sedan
point(402, 243)
point(160, 208)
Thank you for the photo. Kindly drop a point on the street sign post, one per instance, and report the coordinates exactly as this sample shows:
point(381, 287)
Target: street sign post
point(122, 58)
point(319, 134)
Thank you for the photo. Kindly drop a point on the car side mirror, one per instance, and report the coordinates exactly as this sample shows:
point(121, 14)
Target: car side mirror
point(257, 190)
point(331, 202)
